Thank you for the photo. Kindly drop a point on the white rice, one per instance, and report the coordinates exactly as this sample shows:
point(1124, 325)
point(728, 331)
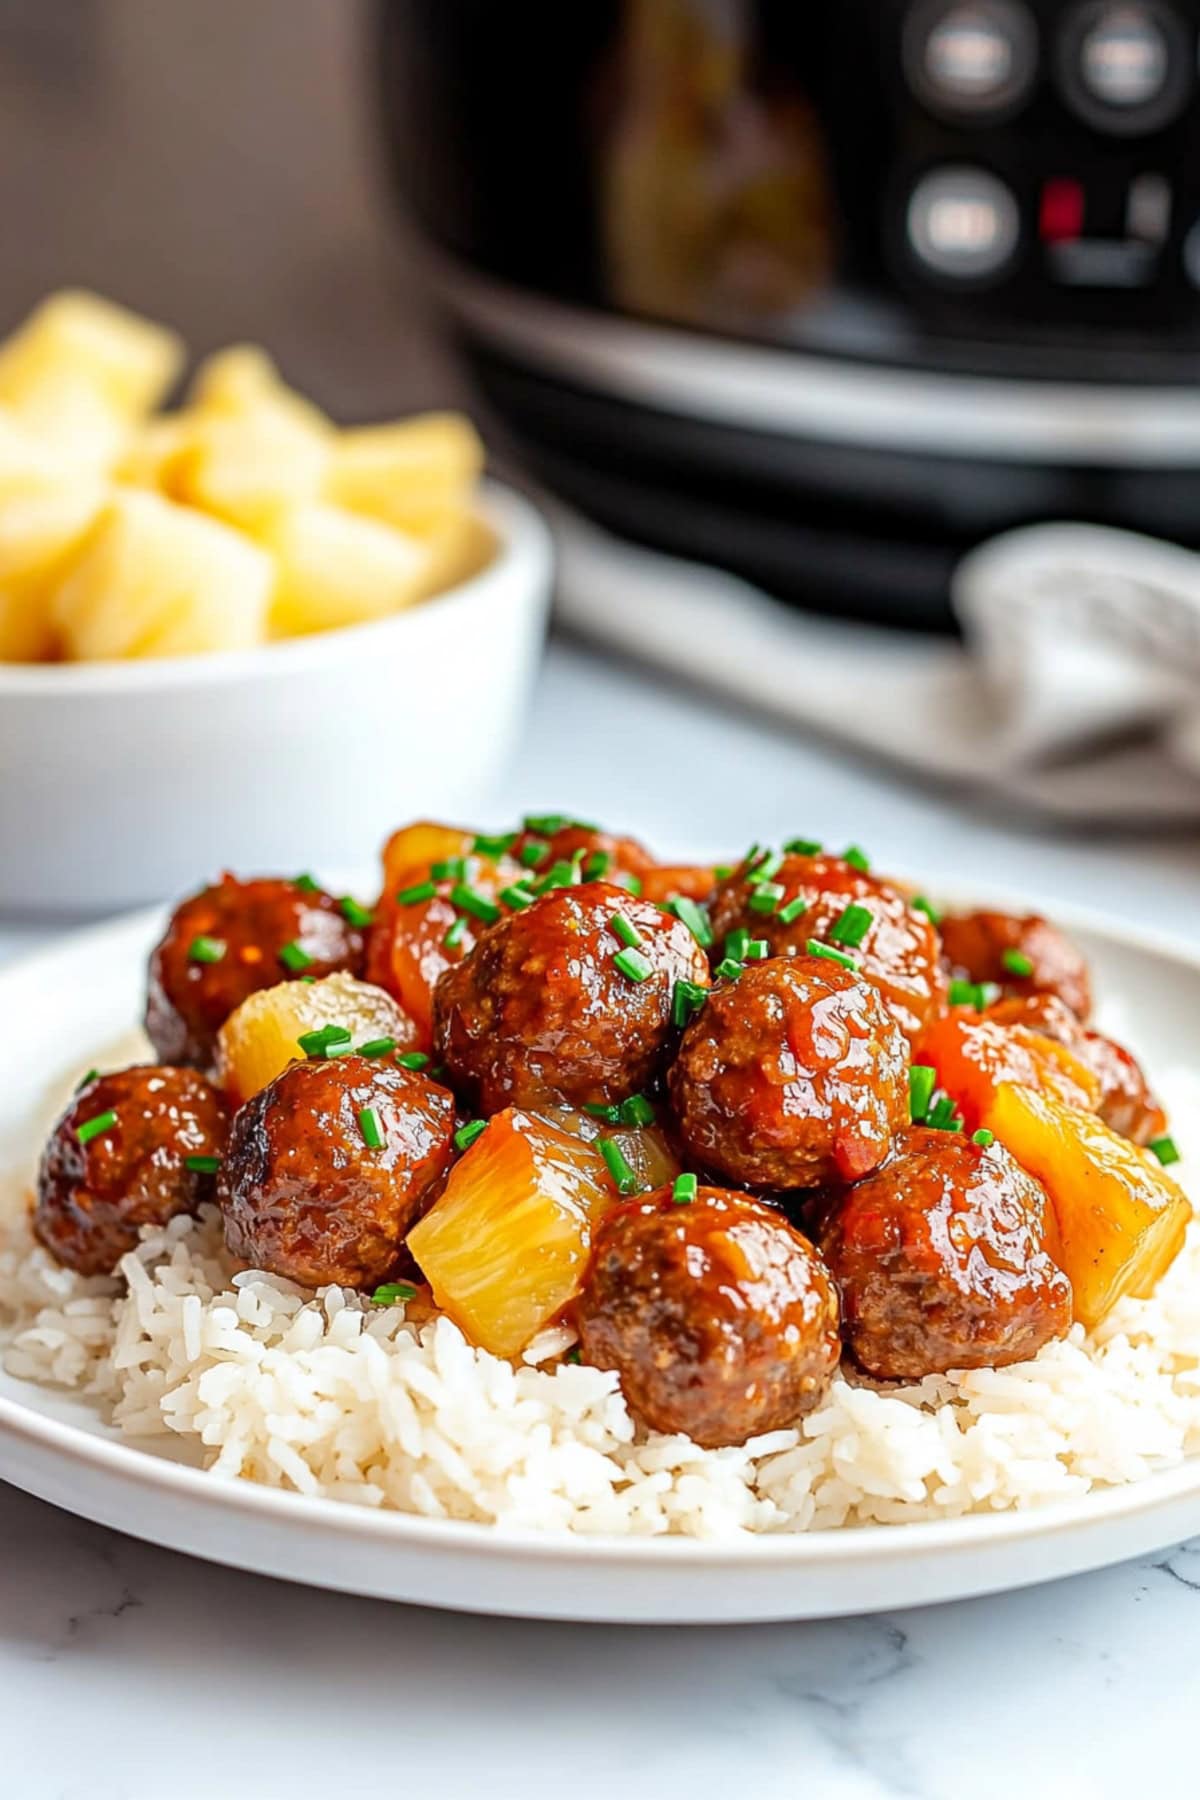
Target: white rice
point(255, 1378)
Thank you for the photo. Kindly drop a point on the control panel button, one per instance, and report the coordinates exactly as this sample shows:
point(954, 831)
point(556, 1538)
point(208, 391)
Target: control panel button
point(967, 57)
point(1125, 67)
point(963, 223)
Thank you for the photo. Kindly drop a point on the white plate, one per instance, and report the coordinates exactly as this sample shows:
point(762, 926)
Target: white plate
point(63, 1004)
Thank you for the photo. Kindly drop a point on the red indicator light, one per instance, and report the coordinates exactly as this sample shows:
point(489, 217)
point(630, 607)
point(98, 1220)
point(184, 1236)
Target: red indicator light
point(1060, 219)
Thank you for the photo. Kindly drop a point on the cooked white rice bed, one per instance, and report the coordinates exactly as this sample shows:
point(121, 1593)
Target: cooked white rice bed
point(328, 1395)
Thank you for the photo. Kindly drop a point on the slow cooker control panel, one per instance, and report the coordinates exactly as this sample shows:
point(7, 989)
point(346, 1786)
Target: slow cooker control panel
point(1048, 153)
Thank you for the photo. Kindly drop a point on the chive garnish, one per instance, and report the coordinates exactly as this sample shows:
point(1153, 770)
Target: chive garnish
point(1166, 1150)
point(768, 865)
point(473, 902)
point(494, 847)
point(853, 925)
point(625, 1179)
point(921, 1082)
point(574, 1355)
point(372, 1131)
point(355, 914)
point(757, 950)
point(637, 1110)
point(420, 890)
point(978, 994)
point(383, 1047)
point(548, 824)
point(93, 1127)
point(766, 896)
point(729, 968)
point(449, 868)
point(517, 896)
point(295, 957)
point(943, 1115)
point(737, 943)
point(685, 1189)
point(634, 964)
point(1017, 962)
point(83, 1081)
point(393, 1293)
point(920, 904)
point(693, 916)
point(597, 865)
point(686, 1001)
point(206, 949)
point(202, 1165)
point(456, 933)
point(802, 847)
point(816, 948)
point(625, 930)
point(722, 871)
point(632, 884)
point(328, 1040)
point(533, 853)
point(984, 1138)
point(306, 884)
point(411, 1059)
point(465, 1136)
point(857, 858)
point(610, 1114)
point(794, 909)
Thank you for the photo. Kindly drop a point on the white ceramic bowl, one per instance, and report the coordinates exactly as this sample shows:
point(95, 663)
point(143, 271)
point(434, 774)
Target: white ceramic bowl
point(125, 782)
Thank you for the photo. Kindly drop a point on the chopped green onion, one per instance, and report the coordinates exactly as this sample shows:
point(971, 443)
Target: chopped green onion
point(802, 847)
point(547, 824)
point(494, 847)
point(533, 853)
point(768, 865)
point(559, 875)
point(685, 1189)
point(393, 1293)
point(83, 1081)
point(456, 933)
point(449, 868)
point(202, 1165)
point(610, 1114)
point(473, 902)
point(420, 890)
point(737, 942)
point(693, 916)
point(574, 1355)
point(757, 950)
point(372, 1131)
point(206, 949)
point(766, 896)
point(1166, 1150)
point(93, 1127)
point(1017, 962)
point(329, 1040)
point(853, 926)
point(353, 913)
point(295, 957)
point(967, 993)
point(943, 1115)
point(306, 884)
point(308, 979)
point(637, 1110)
point(920, 904)
point(686, 1001)
point(984, 1138)
point(793, 910)
point(625, 930)
point(816, 948)
point(635, 965)
point(625, 1179)
point(517, 896)
point(632, 884)
point(383, 1047)
point(729, 968)
point(597, 865)
point(722, 871)
point(465, 1136)
point(921, 1082)
point(857, 858)
point(411, 1059)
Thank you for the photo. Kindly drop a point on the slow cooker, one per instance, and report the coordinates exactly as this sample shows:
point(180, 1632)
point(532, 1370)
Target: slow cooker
point(824, 291)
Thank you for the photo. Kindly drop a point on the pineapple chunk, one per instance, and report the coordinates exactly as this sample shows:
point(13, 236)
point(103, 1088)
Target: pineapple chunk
point(418, 474)
point(151, 455)
point(417, 846)
point(243, 382)
point(974, 1055)
point(457, 552)
point(248, 470)
point(77, 339)
point(25, 631)
point(335, 569)
point(153, 579)
point(260, 1037)
point(1119, 1219)
point(506, 1245)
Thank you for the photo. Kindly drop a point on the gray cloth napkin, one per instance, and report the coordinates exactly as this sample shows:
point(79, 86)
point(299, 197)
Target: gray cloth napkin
point(1076, 690)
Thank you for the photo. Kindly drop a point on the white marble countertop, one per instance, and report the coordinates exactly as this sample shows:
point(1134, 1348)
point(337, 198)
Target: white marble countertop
point(127, 1673)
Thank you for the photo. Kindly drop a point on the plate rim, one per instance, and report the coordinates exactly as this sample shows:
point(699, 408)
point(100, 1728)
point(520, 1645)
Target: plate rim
point(860, 1546)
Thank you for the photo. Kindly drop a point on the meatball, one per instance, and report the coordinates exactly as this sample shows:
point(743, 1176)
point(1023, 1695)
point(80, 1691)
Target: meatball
point(554, 1004)
point(1021, 956)
point(941, 1261)
point(330, 1165)
point(133, 1148)
point(792, 1075)
point(1127, 1103)
point(719, 1317)
point(229, 941)
point(896, 948)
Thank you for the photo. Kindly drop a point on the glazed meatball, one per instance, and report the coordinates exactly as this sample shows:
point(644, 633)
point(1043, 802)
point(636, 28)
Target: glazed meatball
point(97, 1187)
point(792, 1075)
point(1127, 1103)
point(306, 1191)
point(1021, 956)
point(941, 1261)
point(554, 1005)
point(719, 1317)
point(897, 950)
point(226, 943)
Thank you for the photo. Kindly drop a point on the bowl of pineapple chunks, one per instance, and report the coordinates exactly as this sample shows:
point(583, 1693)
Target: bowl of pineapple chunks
point(226, 625)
